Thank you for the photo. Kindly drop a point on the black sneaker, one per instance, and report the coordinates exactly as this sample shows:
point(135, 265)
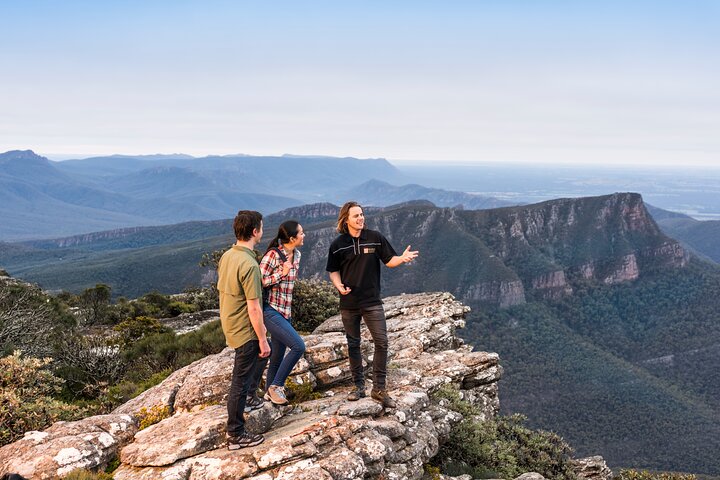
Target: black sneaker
point(253, 402)
point(383, 397)
point(245, 440)
point(356, 393)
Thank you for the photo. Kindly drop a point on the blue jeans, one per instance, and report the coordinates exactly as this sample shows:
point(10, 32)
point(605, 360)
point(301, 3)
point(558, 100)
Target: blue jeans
point(283, 337)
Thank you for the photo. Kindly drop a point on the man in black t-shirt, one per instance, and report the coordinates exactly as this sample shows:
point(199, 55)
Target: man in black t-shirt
point(354, 265)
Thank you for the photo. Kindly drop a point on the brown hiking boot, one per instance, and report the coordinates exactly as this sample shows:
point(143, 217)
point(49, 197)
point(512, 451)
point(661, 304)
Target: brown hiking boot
point(356, 393)
point(383, 397)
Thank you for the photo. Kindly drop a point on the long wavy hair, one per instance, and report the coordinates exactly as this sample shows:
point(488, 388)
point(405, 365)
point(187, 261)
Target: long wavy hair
point(344, 215)
point(287, 230)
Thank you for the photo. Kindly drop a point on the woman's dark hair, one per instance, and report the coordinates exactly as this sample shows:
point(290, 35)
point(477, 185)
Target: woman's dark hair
point(288, 229)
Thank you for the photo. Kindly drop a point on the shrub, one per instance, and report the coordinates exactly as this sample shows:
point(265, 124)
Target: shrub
point(301, 392)
point(133, 329)
point(161, 351)
point(26, 397)
point(81, 474)
point(157, 300)
point(176, 308)
point(127, 390)
point(90, 363)
point(153, 415)
point(501, 447)
point(645, 475)
point(204, 298)
point(313, 302)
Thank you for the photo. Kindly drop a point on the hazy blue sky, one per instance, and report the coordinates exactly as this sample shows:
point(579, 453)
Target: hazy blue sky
point(546, 81)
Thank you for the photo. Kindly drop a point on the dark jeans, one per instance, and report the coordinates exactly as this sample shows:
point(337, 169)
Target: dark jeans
point(245, 364)
point(283, 337)
point(374, 318)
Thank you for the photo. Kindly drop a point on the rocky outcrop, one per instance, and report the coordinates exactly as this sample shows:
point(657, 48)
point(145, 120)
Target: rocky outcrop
point(326, 437)
point(502, 294)
point(66, 446)
point(627, 269)
point(592, 468)
point(552, 285)
point(187, 322)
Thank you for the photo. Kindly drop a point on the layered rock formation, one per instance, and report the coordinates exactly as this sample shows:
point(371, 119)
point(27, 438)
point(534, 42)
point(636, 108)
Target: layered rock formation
point(326, 437)
point(505, 256)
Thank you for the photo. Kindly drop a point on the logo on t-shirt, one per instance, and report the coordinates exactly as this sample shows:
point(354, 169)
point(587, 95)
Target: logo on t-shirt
point(369, 250)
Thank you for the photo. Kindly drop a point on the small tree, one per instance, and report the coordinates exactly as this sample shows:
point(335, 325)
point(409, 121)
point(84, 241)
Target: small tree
point(27, 319)
point(94, 303)
point(212, 259)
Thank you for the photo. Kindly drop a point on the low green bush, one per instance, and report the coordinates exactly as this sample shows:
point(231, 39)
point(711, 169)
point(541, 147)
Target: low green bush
point(313, 302)
point(133, 329)
point(631, 474)
point(127, 390)
point(167, 351)
point(176, 308)
point(81, 474)
point(501, 447)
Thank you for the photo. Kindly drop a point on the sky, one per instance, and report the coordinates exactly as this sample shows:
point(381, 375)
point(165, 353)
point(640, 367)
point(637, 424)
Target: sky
point(601, 82)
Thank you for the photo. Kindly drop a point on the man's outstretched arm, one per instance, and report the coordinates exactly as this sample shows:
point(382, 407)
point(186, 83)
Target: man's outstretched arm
point(407, 256)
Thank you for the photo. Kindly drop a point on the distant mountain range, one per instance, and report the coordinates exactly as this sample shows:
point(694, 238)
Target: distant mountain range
point(700, 237)
point(608, 329)
point(379, 193)
point(44, 199)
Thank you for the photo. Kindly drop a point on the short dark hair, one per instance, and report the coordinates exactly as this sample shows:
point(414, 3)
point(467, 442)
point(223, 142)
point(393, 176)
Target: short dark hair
point(343, 216)
point(245, 222)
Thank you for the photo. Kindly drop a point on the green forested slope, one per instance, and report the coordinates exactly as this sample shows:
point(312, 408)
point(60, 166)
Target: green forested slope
point(579, 366)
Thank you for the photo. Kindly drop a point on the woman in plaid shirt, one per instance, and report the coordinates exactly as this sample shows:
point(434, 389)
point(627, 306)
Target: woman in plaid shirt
point(280, 277)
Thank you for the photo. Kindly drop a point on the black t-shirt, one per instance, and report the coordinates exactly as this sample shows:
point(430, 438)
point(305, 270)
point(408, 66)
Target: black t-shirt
point(358, 261)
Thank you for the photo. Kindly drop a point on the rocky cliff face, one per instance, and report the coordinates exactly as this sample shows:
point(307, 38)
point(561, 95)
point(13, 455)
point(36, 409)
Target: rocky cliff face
point(503, 256)
point(324, 438)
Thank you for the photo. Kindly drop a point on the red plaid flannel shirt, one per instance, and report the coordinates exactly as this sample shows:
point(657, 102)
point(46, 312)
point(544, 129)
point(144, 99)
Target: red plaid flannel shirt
point(280, 297)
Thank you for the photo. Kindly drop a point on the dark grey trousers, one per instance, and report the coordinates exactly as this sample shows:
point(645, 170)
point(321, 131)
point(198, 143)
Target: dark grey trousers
point(374, 318)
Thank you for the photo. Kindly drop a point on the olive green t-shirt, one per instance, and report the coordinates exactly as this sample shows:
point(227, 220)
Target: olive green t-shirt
point(239, 280)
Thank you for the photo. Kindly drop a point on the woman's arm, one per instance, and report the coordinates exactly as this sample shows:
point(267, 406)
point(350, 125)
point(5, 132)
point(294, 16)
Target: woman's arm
point(271, 268)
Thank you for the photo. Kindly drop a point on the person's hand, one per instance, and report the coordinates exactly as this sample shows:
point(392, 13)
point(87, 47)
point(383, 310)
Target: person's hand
point(409, 255)
point(286, 267)
point(264, 348)
point(343, 289)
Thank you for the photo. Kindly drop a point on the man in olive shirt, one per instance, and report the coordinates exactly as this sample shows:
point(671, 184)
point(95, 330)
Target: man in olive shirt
point(354, 265)
point(240, 289)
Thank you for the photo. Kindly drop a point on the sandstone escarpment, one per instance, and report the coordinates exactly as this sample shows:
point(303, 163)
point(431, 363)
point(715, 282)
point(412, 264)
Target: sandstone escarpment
point(327, 437)
point(506, 256)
